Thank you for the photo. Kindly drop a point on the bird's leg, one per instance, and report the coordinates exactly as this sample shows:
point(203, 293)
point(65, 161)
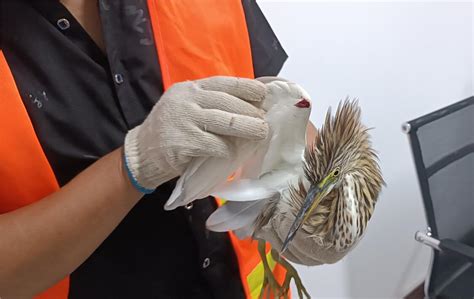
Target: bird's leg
point(291, 272)
point(268, 277)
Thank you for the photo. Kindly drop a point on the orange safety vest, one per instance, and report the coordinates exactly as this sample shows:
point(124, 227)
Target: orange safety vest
point(194, 39)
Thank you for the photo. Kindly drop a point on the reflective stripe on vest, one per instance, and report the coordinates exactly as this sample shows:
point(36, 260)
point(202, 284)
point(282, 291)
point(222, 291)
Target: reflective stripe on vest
point(195, 39)
point(250, 264)
point(212, 39)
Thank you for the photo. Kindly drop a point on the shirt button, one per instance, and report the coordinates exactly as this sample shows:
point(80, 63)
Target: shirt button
point(189, 206)
point(206, 263)
point(63, 24)
point(118, 78)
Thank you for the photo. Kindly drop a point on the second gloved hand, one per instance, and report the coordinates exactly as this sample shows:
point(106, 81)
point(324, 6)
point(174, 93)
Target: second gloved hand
point(192, 119)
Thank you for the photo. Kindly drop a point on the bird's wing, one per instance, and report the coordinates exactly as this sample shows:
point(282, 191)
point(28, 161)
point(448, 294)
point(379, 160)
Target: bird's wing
point(204, 174)
point(245, 232)
point(258, 189)
point(252, 168)
point(244, 190)
point(283, 148)
point(261, 161)
point(236, 215)
point(258, 163)
point(233, 215)
point(201, 176)
point(178, 196)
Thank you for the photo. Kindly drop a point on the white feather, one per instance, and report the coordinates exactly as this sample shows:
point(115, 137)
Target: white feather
point(263, 168)
point(245, 190)
point(234, 215)
point(204, 174)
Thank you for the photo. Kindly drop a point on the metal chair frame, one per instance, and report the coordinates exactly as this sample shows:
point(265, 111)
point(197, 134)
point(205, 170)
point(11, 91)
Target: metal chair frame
point(429, 237)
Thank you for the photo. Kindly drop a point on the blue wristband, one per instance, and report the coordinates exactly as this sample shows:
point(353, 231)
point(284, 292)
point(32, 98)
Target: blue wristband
point(133, 180)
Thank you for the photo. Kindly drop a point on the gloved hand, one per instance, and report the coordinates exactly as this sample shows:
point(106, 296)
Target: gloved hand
point(191, 119)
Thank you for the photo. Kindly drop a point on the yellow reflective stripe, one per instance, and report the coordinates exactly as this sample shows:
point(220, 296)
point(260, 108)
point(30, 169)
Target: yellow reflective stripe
point(255, 278)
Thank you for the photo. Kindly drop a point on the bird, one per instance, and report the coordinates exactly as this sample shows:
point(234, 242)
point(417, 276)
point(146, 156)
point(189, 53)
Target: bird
point(275, 163)
point(310, 199)
point(271, 163)
point(287, 109)
point(316, 213)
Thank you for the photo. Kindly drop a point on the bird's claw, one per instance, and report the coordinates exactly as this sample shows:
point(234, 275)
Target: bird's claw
point(291, 273)
point(270, 287)
point(302, 292)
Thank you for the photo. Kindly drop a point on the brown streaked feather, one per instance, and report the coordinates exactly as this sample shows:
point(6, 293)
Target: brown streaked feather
point(343, 141)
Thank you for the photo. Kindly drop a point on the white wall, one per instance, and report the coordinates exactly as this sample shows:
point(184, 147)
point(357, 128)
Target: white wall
point(402, 60)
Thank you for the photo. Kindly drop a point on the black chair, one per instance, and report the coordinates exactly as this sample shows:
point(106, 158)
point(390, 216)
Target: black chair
point(443, 148)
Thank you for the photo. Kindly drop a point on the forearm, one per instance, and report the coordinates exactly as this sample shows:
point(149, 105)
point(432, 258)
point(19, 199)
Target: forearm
point(45, 241)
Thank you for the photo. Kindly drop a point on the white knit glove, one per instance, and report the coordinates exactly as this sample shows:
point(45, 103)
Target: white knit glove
point(192, 119)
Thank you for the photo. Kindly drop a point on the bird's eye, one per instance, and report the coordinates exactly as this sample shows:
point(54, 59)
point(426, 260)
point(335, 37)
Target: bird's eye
point(336, 172)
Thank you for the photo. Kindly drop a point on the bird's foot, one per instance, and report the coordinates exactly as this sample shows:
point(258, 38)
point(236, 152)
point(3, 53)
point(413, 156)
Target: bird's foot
point(291, 273)
point(270, 286)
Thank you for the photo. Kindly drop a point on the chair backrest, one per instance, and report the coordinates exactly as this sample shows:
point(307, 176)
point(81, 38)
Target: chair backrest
point(443, 148)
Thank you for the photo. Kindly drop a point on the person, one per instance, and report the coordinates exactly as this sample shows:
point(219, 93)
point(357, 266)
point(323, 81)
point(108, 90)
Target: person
point(82, 214)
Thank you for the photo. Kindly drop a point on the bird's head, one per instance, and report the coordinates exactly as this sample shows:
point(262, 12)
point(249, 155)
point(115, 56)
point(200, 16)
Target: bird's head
point(340, 149)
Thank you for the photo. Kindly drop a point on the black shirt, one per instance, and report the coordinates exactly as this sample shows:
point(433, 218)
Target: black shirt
point(82, 102)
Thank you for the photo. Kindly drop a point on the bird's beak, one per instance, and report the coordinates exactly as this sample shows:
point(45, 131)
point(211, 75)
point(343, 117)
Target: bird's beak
point(315, 195)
